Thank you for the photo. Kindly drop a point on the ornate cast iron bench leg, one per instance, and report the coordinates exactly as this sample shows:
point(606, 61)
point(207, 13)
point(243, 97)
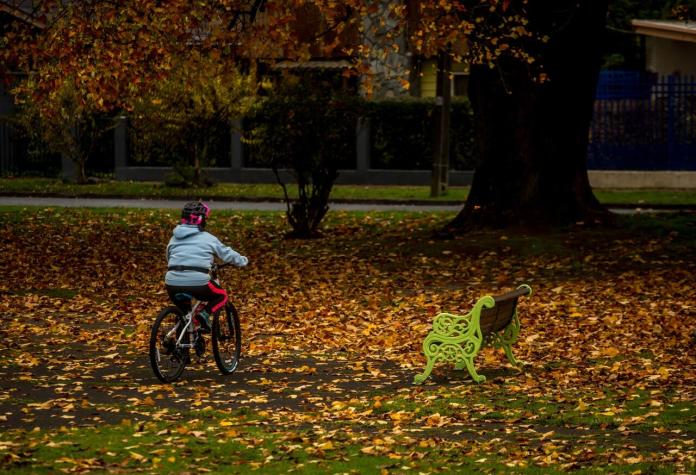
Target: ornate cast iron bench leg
point(420, 378)
point(509, 337)
point(510, 356)
point(506, 339)
point(469, 363)
point(456, 339)
point(438, 347)
point(471, 348)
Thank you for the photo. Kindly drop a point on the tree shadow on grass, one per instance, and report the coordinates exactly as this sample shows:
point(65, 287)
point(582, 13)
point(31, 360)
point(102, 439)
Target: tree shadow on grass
point(635, 244)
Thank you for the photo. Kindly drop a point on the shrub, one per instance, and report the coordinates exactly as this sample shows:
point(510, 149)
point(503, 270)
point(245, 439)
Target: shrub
point(311, 133)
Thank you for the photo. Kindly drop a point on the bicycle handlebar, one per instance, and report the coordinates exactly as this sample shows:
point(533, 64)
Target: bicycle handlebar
point(216, 267)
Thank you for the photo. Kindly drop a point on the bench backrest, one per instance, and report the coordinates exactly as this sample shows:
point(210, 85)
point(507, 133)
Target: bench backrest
point(500, 315)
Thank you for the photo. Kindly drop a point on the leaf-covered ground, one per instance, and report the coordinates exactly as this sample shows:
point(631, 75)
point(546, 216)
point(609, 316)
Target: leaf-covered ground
point(332, 332)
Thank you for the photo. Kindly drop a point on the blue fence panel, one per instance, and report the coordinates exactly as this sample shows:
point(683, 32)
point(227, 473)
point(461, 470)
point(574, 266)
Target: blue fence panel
point(643, 122)
point(617, 84)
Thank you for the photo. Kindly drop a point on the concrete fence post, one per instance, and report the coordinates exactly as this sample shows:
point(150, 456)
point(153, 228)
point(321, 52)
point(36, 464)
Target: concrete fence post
point(362, 148)
point(121, 147)
point(236, 148)
point(68, 169)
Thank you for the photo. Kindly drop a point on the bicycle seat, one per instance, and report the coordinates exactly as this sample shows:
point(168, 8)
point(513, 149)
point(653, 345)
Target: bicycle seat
point(184, 297)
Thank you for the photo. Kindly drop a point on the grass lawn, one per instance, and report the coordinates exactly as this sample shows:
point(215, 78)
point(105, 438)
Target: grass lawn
point(229, 191)
point(332, 337)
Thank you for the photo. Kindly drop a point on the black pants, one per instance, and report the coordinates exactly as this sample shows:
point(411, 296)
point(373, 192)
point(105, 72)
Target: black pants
point(211, 293)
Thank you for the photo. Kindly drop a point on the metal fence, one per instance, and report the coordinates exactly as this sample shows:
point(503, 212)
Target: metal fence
point(21, 156)
point(643, 122)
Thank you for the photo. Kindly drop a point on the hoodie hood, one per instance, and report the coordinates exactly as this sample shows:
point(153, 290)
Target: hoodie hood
point(183, 231)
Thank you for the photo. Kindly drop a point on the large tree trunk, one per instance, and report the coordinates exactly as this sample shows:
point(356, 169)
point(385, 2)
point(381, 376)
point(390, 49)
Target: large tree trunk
point(533, 137)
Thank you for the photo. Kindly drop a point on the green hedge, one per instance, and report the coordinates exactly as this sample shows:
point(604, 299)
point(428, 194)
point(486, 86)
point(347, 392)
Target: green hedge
point(321, 128)
point(33, 157)
point(402, 134)
point(150, 149)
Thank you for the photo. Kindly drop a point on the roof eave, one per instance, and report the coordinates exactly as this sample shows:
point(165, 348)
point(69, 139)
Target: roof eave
point(22, 15)
point(671, 31)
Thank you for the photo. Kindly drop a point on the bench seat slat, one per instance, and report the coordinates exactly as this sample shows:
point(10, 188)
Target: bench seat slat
point(496, 318)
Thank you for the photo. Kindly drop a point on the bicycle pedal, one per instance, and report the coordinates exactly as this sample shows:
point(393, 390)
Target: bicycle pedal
point(200, 346)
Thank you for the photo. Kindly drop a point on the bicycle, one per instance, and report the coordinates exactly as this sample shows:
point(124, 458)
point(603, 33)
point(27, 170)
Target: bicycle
point(175, 333)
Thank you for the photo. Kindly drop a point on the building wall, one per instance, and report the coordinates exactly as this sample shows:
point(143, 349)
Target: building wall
point(665, 56)
point(387, 55)
point(428, 80)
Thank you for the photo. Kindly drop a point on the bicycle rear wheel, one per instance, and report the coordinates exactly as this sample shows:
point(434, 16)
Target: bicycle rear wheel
point(168, 361)
point(227, 339)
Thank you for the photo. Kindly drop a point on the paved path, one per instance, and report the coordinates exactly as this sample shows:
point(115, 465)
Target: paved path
point(247, 205)
point(229, 205)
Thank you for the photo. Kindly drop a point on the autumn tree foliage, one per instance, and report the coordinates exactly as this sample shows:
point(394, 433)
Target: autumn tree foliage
point(111, 57)
point(534, 70)
point(66, 122)
point(196, 97)
point(89, 58)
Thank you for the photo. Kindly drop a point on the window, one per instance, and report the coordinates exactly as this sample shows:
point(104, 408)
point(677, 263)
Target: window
point(460, 84)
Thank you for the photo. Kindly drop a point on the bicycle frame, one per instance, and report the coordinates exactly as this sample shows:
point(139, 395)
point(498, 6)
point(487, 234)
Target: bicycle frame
point(194, 311)
point(188, 318)
point(172, 342)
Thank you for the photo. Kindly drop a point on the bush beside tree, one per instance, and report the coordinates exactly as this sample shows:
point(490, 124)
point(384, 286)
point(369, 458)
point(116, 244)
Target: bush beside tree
point(310, 132)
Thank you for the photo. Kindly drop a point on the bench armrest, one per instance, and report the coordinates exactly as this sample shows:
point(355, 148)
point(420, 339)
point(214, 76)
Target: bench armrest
point(451, 325)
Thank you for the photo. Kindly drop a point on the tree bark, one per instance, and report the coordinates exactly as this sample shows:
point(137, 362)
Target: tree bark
point(532, 136)
point(441, 159)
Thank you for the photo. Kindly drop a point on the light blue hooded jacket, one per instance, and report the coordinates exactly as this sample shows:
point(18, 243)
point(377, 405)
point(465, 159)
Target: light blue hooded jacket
point(192, 247)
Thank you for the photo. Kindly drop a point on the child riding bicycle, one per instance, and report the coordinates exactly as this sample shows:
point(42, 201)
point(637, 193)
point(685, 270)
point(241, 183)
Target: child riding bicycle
point(190, 254)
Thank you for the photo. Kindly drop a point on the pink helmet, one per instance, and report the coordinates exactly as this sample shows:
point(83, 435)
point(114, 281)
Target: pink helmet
point(196, 213)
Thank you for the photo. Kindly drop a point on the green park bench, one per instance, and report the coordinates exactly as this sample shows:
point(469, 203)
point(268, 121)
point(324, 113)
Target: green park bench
point(457, 339)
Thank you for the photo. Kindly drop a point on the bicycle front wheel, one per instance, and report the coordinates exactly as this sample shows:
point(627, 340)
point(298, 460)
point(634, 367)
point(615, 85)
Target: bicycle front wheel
point(166, 358)
point(227, 339)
